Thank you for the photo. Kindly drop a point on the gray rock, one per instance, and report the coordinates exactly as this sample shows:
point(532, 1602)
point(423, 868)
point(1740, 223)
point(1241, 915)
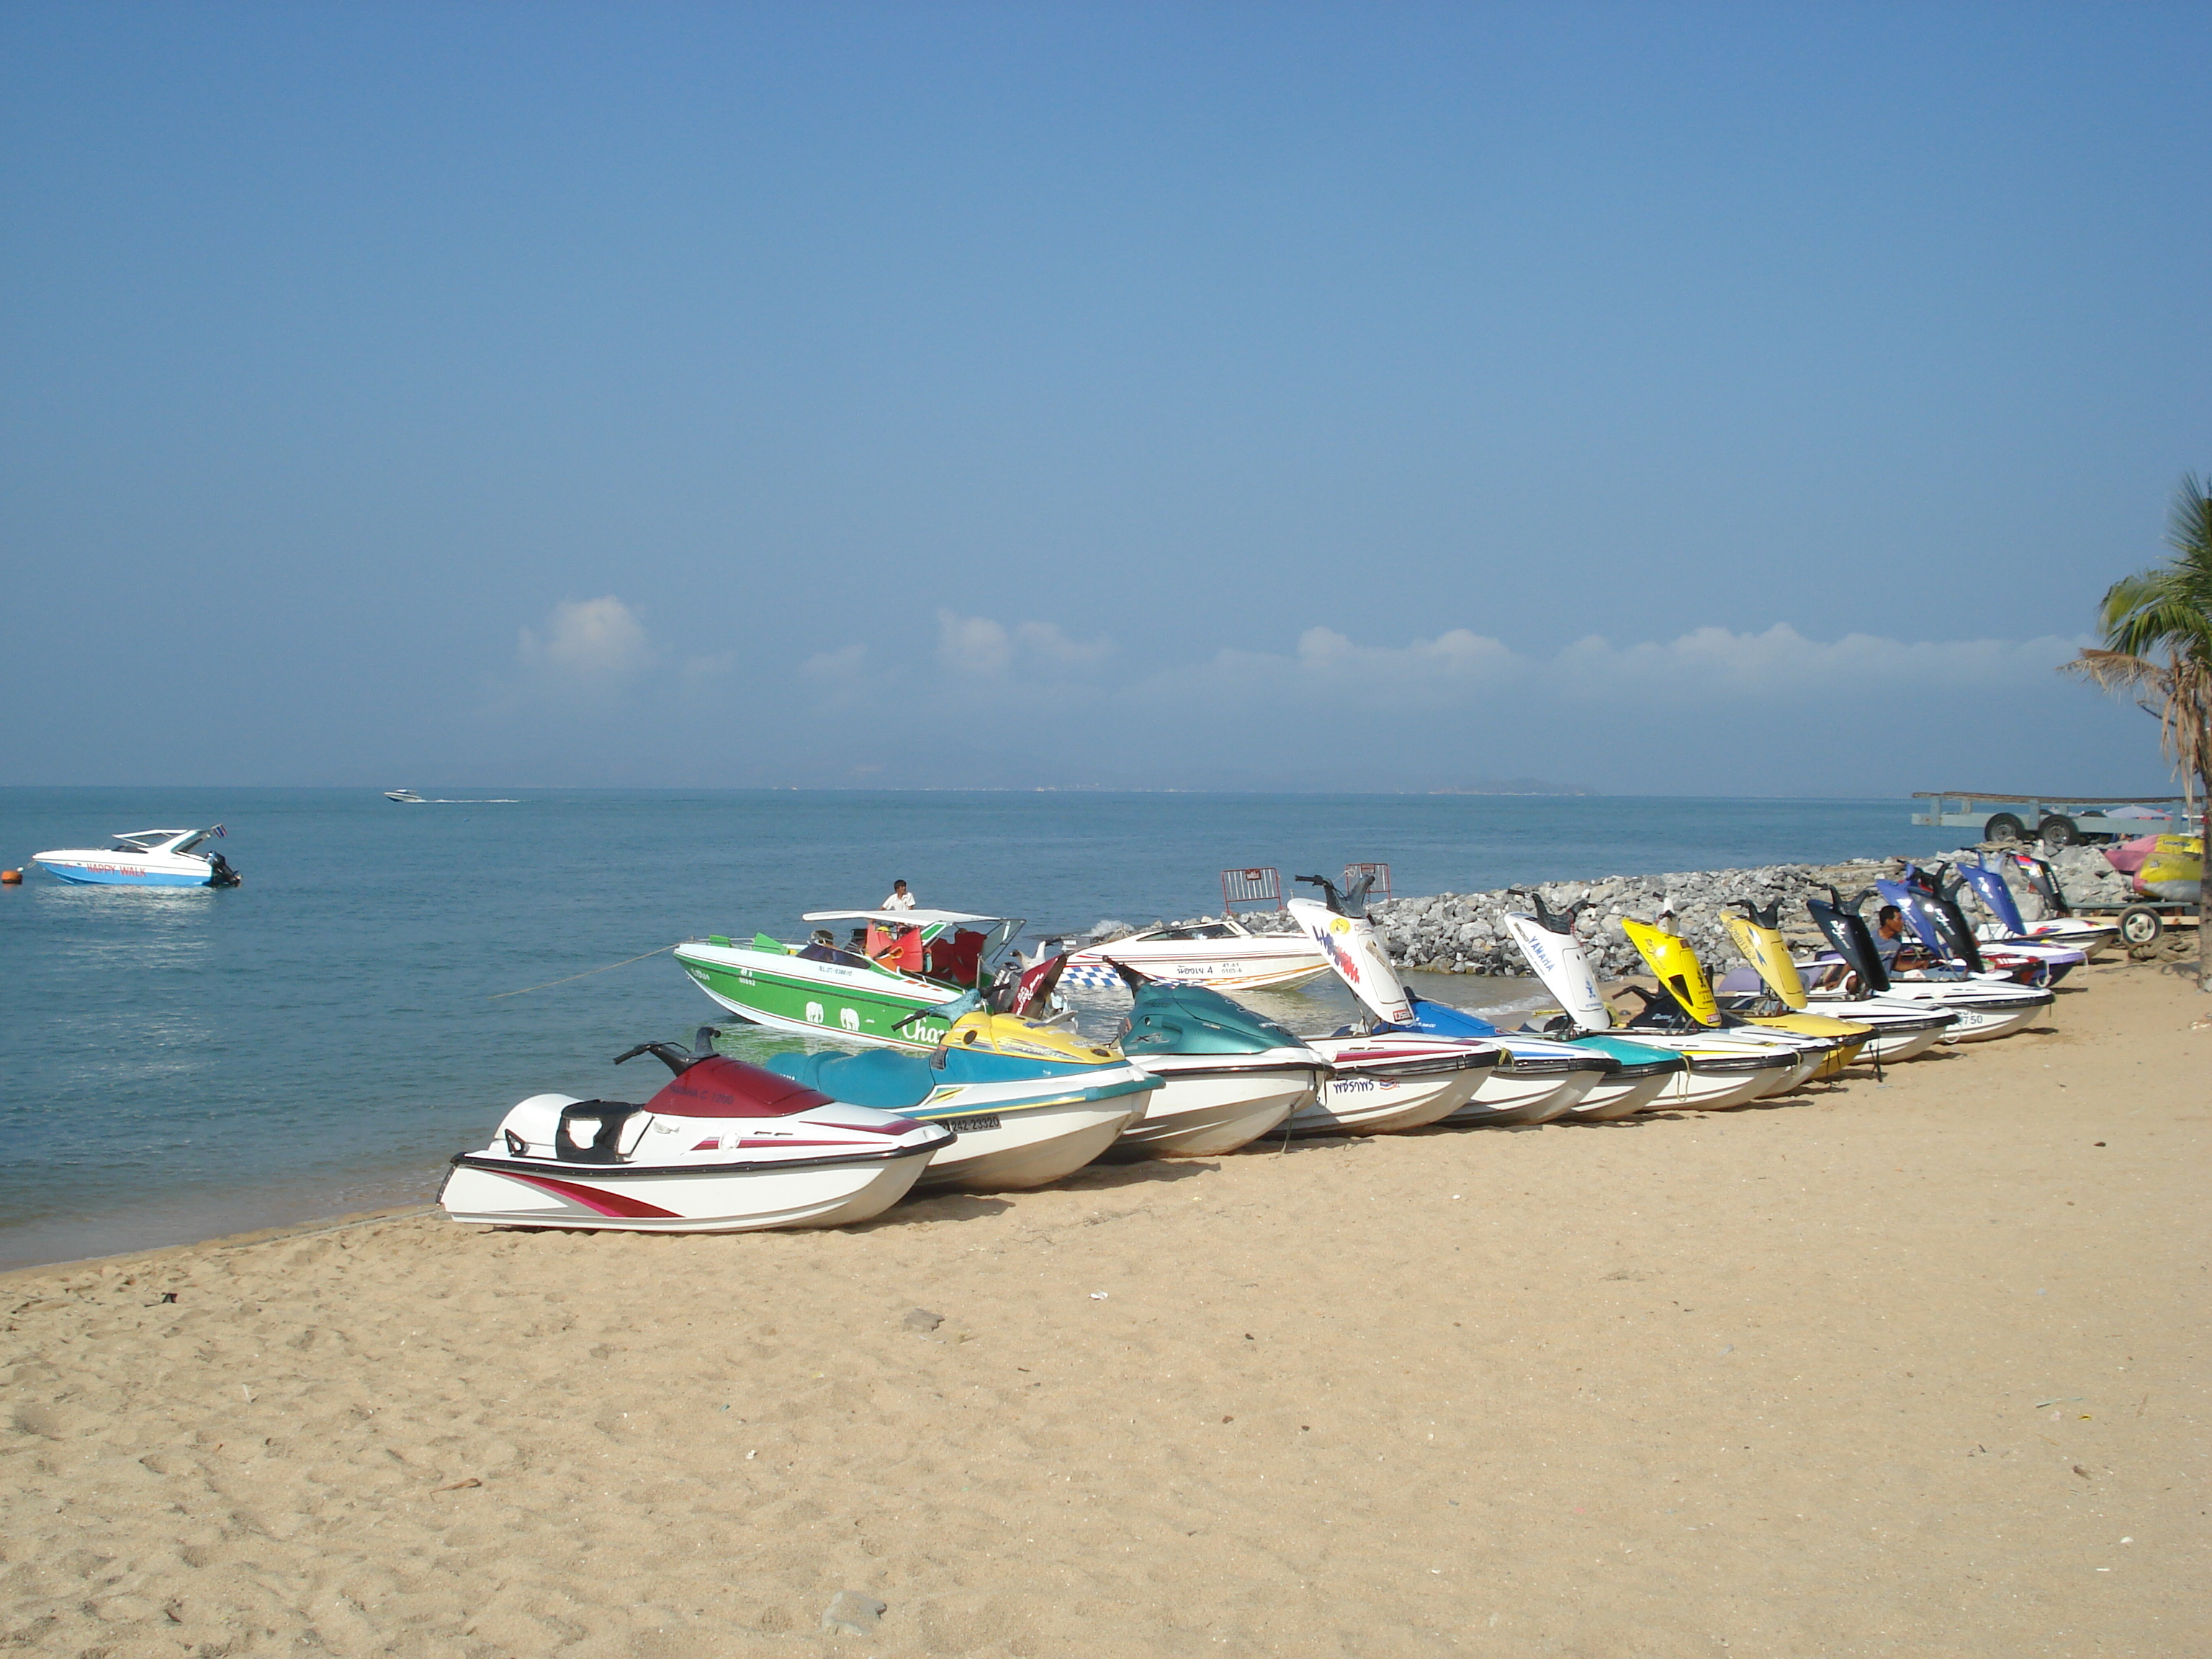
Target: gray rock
point(851, 1613)
point(920, 1319)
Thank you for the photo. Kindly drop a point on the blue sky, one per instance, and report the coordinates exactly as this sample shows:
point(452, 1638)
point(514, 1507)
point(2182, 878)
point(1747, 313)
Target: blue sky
point(1676, 399)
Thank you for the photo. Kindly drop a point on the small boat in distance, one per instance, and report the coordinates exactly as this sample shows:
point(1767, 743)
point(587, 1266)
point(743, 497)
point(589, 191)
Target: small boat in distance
point(405, 797)
point(145, 858)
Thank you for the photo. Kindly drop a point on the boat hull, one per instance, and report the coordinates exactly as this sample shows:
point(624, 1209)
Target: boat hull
point(1018, 1147)
point(1512, 1096)
point(1619, 1097)
point(529, 1193)
point(1223, 958)
point(792, 993)
point(1385, 1083)
point(110, 869)
point(1207, 1109)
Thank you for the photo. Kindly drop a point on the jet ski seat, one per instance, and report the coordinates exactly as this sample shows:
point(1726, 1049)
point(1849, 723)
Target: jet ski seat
point(577, 1131)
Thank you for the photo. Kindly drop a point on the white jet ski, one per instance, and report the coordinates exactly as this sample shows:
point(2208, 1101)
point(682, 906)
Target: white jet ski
point(1390, 1080)
point(724, 1147)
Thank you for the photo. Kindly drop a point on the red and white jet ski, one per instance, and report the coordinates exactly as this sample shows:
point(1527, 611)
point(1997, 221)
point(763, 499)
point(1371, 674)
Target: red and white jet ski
point(724, 1147)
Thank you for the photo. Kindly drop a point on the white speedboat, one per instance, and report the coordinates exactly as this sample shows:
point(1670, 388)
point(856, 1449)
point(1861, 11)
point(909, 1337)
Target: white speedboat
point(724, 1147)
point(145, 858)
point(405, 797)
point(1391, 1080)
point(1225, 956)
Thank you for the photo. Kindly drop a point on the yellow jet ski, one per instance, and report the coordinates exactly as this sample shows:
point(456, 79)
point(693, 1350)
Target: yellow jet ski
point(1686, 992)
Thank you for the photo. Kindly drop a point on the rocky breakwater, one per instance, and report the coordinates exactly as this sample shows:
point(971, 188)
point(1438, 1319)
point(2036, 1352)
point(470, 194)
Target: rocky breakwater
point(1465, 932)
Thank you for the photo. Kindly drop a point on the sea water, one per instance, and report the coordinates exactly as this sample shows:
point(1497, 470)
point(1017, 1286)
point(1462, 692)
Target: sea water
point(178, 1063)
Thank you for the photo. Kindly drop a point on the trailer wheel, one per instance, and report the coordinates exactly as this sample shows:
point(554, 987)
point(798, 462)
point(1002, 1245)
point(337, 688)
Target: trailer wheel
point(2140, 925)
point(2058, 832)
point(2004, 827)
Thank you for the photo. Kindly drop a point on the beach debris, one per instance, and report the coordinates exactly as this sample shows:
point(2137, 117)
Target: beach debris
point(1098, 1296)
point(920, 1319)
point(2079, 1470)
point(461, 1485)
point(851, 1613)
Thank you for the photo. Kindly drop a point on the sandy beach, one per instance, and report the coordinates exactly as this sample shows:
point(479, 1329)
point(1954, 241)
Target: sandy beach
point(1911, 1366)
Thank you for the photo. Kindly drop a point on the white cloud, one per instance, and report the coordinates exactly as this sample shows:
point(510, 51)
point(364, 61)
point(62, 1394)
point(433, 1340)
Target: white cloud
point(700, 670)
point(972, 644)
point(598, 638)
point(1706, 666)
point(1713, 665)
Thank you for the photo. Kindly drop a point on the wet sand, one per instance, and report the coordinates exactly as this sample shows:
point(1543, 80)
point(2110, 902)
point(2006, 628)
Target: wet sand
point(1912, 1367)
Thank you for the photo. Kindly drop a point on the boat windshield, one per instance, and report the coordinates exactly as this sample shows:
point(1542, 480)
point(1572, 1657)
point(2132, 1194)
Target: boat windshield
point(1191, 930)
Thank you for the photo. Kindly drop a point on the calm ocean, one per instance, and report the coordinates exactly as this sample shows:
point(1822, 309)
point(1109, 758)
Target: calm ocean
point(179, 1064)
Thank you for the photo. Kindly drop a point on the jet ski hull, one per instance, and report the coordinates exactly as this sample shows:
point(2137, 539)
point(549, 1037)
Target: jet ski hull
point(725, 1199)
point(1017, 1148)
point(1385, 1083)
point(1522, 1091)
point(724, 1147)
point(1209, 1106)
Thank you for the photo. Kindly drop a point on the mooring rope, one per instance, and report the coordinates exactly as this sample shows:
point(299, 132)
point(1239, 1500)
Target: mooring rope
point(587, 974)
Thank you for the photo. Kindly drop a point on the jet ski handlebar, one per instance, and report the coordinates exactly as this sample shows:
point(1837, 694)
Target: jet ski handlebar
point(666, 1053)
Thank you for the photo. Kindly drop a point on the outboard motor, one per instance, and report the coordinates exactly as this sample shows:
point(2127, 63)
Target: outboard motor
point(220, 874)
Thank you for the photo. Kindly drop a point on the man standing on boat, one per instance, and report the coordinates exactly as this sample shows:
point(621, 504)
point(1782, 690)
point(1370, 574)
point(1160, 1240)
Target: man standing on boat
point(899, 900)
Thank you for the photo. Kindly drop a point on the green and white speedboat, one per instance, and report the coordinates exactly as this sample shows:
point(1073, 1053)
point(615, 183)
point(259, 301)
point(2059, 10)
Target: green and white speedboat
point(927, 959)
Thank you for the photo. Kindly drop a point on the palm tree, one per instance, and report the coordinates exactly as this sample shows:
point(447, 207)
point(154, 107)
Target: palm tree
point(2166, 612)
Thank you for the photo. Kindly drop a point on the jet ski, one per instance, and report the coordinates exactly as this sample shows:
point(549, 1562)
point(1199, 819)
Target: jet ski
point(1534, 1081)
point(1988, 1007)
point(724, 1147)
point(1227, 1075)
point(2007, 927)
point(1772, 983)
point(1385, 1081)
point(145, 858)
point(1028, 1104)
point(1714, 1071)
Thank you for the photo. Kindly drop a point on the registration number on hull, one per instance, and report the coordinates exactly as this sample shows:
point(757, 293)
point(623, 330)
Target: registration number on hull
point(970, 1126)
